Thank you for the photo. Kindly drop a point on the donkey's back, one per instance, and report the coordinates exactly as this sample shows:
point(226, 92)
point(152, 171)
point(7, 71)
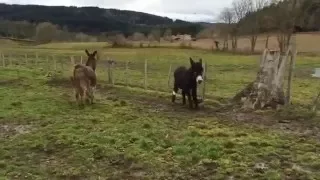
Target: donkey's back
point(83, 80)
point(180, 77)
point(81, 72)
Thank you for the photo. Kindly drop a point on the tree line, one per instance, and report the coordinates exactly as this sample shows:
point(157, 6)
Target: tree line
point(94, 20)
point(46, 32)
point(280, 17)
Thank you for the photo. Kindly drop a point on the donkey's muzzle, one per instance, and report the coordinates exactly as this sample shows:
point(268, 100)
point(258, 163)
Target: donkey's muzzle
point(199, 79)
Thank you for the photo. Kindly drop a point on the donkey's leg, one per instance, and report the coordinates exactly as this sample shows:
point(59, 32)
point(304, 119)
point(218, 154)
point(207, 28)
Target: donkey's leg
point(183, 97)
point(91, 91)
point(86, 92)
point(174, 92)
point(189, 98)
point(90, 95)
point(87, 97)
point(81, 96)
point(77, 94)
point(194, 97)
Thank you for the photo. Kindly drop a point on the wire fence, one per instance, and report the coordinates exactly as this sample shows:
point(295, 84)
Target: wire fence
point(221, 81)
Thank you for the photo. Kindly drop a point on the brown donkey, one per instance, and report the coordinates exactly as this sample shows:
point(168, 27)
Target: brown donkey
point(84, 79)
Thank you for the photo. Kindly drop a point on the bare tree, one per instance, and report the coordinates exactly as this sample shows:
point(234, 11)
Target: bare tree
point(267, 25)
point(117, 40)
point(167, 34)
point(227, 16)
point(137, 36)
point(254, 21)
point(150, 38)
point(45, 32)
point(241, 8)
point(285, 17)
point(156, 33)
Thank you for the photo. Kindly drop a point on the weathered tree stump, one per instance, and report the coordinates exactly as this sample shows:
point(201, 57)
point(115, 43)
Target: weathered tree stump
point(267, 90)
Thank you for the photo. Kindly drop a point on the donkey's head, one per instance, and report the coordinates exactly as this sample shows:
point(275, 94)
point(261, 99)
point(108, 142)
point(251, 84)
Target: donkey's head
point(91, 59)
point(196, 70)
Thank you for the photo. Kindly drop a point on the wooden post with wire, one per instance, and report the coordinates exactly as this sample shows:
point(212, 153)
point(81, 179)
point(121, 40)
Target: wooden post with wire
point(145, 73)
point(3, 60)
point(109, 72)
point(37, 59)
point(10, 59)
point(169, 75)
point(54, 62)
point(112, 71)
point(48, 64)
point(127, 73)
point(26, 58)
point(293, 54)
point(72, 60)
point(62, 67)
point(205, 75)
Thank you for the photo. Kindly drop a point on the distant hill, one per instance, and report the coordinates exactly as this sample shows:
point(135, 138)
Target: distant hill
point(94, 20)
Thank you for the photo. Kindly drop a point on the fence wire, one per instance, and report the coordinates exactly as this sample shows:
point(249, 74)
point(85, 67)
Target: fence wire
point(222, 81)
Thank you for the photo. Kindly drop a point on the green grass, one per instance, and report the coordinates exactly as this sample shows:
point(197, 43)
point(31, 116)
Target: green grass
point(136, 134)
point(227, 74)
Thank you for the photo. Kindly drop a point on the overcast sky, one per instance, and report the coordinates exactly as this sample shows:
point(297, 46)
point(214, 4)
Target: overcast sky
point(190, 10)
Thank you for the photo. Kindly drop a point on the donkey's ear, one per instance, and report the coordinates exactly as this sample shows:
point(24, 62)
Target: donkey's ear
point(191, 61)
point(200, 60)
point(94, 53)
point(87, 52)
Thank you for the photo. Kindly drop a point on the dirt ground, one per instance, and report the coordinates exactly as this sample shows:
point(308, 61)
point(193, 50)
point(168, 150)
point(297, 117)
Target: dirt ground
point(154, 102)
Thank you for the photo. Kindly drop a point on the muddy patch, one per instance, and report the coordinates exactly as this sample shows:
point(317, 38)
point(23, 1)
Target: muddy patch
point(59, 82)
point(156, 103)
point(230, 115)
point(10, 82)
point(12, 130)
point(125, 168)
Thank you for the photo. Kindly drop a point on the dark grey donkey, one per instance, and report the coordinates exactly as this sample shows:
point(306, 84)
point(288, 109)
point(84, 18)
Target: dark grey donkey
point(187, 80)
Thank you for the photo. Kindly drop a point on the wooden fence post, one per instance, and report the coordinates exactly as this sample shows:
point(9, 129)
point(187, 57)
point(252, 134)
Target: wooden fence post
point(3, 60)
point(37, 59)
point(169, 75)
point(315, 103)
point(127, 68)
point(205, 73)
point(55, 62)
point(109, 72)
point(26, 58)
point(48, 64)
point(81, 59)
point(62, 67)
point(10, 59)
point(18, 70)
point(291, 69)
point(72, 60)
point(112, 71)
point(145, 73)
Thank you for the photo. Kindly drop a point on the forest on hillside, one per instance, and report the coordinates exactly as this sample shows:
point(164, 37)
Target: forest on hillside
point(281, 17)
point(92, 20)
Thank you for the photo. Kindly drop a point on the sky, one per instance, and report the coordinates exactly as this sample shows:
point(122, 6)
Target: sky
point(189, 10)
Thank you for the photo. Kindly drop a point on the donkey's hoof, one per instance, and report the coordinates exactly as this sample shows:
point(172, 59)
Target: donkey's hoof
point(81, 106)
point(173, 99)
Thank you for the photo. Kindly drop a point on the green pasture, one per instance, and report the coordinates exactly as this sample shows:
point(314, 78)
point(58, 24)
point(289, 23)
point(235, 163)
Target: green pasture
point(132, 133)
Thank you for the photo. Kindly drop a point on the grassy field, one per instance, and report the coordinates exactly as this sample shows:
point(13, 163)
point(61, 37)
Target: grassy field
point(307, 43)
point(132, 133)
